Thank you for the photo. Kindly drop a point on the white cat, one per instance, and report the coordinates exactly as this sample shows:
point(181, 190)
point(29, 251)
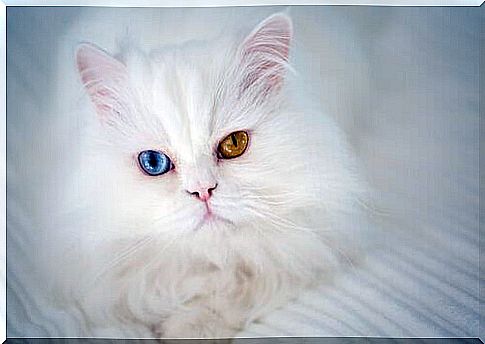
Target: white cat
point(206, 193)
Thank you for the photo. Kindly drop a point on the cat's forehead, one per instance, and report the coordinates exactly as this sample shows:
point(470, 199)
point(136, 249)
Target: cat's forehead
point(183, 92)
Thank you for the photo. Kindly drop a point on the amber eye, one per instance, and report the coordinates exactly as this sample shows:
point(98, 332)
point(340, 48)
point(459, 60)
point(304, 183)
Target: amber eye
point(233, 145)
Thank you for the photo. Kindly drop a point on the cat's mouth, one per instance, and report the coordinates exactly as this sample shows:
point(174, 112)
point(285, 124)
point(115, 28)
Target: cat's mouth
point(211, 219)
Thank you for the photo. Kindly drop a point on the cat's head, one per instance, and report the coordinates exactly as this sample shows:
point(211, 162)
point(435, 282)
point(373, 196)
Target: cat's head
point(200, 138)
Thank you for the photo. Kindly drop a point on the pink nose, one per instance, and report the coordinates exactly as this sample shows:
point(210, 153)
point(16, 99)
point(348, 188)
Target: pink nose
point(203, 193)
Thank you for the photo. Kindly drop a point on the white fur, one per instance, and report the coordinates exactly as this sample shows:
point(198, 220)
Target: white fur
point(128, 251)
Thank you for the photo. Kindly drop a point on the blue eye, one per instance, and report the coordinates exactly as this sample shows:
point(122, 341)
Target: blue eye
point(154, 163)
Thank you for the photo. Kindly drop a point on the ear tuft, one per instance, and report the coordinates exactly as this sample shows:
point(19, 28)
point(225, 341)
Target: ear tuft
point(272, 36)
point(104, 78)
point(265, 52)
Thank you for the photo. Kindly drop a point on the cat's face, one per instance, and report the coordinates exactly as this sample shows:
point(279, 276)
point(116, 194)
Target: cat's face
point(199, 138)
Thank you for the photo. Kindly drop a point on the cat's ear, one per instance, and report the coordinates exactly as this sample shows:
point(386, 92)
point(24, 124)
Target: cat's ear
point(265, 53)
point(104, 78)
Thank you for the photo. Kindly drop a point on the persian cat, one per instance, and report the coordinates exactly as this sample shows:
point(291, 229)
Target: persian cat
point(206, 191)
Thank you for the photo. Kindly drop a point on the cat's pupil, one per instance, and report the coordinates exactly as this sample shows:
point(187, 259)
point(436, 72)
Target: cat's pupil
point(234, 140)
point(153, 161)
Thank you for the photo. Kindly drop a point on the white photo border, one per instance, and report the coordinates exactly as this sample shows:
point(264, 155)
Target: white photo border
point(154, 3)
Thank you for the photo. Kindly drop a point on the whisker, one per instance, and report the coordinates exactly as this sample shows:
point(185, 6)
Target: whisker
point(289, 225)
point(277, 220)
point(133, 249)
point(124, 255)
